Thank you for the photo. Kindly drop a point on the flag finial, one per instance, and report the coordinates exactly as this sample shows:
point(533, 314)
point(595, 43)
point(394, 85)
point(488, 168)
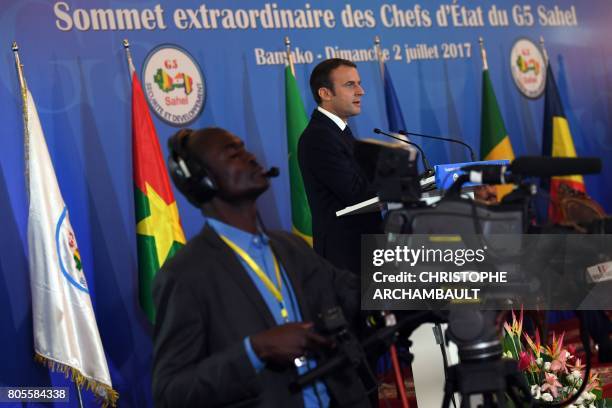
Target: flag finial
point(544, 50)
point(289, 57)
point(379, 56)
point(128, 55)
point(483, 54)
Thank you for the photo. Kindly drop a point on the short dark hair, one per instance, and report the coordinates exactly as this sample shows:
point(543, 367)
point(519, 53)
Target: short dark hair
point(198, 147)
point(321, 73)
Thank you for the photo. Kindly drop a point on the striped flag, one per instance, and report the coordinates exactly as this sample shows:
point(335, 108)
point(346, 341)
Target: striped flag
point(557, 142)
point(159, 233)
point(66, 336)
point(494, 141)
point(297, 120)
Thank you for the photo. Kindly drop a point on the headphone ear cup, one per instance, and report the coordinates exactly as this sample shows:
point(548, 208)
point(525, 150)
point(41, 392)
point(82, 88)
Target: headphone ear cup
point(188, 174)
point(176, 173)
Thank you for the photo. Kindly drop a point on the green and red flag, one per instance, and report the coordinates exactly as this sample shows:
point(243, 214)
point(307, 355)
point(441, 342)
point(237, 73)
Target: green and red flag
point(297, 120)
point(557, 142)
point(494, 141)
point(159, 233)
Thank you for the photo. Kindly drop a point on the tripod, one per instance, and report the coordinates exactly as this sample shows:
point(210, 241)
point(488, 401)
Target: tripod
point(481, 370)
point(491, 379)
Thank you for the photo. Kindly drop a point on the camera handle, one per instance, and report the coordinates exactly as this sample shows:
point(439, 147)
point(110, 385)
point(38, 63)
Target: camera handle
point(353, 352)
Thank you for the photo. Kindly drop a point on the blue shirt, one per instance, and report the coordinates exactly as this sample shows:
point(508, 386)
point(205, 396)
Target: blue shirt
point(257, 246)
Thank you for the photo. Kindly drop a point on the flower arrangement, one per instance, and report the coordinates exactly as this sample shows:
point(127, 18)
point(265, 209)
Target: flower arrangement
point(553, 372)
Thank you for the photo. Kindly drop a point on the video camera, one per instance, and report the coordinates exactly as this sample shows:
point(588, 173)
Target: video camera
point(393, 171)
point(481, 370)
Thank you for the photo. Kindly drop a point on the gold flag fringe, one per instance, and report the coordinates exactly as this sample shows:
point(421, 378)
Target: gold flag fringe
point(106, 395)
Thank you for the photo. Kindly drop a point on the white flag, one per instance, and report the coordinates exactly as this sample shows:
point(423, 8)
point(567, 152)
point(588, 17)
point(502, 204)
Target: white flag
point(66, 336)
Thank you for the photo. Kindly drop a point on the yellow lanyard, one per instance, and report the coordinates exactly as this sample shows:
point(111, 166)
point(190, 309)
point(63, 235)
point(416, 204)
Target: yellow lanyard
point(261, 275)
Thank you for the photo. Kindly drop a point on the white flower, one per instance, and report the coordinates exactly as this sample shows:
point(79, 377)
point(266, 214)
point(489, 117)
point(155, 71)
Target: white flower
point(580, 400)
point(589, 396)
point(591, 405)
point(576, 374)
point(571, 406)
point(539, 361)
point(547, 366)
point(535, 391)
point(547, 397)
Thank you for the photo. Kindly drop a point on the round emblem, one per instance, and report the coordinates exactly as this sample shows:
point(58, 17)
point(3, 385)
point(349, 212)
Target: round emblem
point(174, 85)
point(68, 254)
point(528, 68)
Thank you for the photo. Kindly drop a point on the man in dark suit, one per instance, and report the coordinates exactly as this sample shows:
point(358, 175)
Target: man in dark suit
point(235, 306)
point(332, 177)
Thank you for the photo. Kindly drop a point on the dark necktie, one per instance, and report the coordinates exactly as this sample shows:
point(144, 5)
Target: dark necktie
point(348, 133)
point(348, 137)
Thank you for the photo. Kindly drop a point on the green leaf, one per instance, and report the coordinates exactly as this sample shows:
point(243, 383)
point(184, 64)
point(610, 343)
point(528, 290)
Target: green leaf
point(510, 345)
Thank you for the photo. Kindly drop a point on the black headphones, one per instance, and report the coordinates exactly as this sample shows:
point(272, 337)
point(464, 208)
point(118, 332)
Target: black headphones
point(188, 173)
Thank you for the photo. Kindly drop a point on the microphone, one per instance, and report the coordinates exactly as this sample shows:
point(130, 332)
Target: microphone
point(447, 139)
point(532, 166)
point(539, 166)
point(272, 172)
point(428, 170)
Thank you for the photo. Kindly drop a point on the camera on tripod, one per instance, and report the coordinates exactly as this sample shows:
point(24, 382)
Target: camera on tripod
point(481, 370)
point(462, 221)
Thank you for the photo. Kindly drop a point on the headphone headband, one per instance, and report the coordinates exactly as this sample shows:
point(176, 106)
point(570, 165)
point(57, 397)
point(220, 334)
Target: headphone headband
point(187, 172)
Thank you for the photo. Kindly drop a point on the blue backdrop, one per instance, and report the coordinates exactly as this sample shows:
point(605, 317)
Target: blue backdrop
point(79, 79)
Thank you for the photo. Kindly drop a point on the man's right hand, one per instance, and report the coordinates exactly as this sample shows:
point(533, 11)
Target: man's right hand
point(281, 345)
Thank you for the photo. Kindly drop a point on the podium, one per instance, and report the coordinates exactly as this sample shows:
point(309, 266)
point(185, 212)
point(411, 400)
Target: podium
point(374, 203)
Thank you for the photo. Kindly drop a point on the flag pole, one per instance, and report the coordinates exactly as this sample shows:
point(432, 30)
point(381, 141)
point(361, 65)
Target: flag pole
point(80, 398)
point(544, 50)
point(399, 381)
point(483, 54)
point(23, 88)
point(289, 57)
point(128, 55)
point(379, 56)
point(19, 66)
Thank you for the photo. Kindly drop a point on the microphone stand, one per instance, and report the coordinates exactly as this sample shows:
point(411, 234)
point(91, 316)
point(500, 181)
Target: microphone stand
point(447, 139)
point(428, 171)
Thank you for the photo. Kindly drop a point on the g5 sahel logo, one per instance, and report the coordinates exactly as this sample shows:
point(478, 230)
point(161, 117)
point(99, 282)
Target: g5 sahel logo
point(528, 68)
point(174, 85)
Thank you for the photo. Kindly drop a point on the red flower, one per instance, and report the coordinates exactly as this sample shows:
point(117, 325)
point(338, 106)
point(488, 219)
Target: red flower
point(525, 360)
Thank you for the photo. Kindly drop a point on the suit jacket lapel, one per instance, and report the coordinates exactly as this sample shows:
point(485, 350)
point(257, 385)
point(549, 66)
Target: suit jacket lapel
point(290, 270)
point(347, 141)
point(235, 270)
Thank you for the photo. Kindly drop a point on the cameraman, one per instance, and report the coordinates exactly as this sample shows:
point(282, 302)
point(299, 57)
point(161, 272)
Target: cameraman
point(235, 305)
